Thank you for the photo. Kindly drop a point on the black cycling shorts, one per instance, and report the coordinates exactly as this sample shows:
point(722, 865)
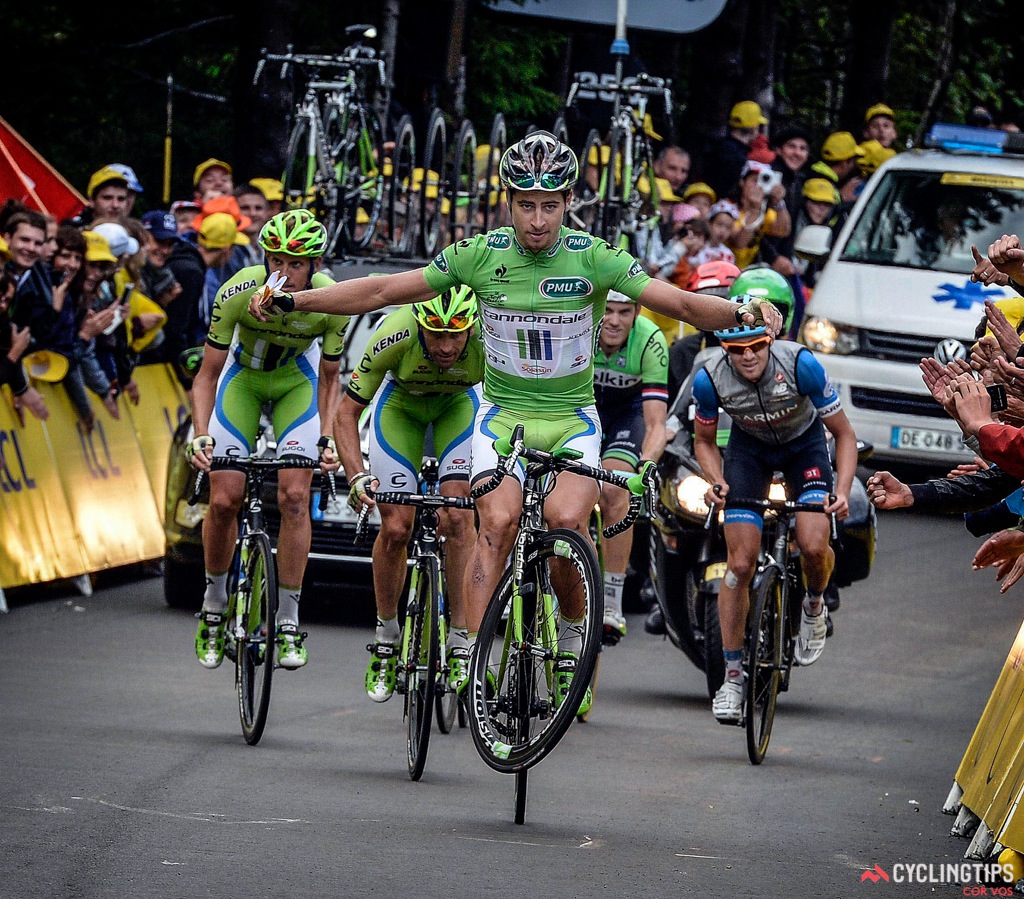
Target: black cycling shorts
point(622, 433)
point(750, 464)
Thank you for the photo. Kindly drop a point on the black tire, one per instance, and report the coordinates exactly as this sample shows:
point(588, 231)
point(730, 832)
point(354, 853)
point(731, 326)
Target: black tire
point(585, 211)
point(402, 208)
point(560, 129)
point(305, 184)
point(616, 196)
point(184, 584)
point(462, 187)
point(446, 700)
point(764, 663)
point(514, 719)
point(714, 661)
point(256, 615)
point(490, 190)
point(358, 162)
point(522, 782)
point(432, 212)
point(421, 668)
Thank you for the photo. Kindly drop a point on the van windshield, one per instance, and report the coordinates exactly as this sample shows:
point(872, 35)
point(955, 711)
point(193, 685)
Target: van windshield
point(930, 220)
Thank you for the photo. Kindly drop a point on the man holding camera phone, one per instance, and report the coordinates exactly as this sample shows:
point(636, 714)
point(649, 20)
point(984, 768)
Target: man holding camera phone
point(762, 211)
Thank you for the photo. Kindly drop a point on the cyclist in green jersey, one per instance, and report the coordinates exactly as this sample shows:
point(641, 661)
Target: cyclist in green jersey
point(630, 387)
point(422, 368)
point(248, 362)
point(541, 288)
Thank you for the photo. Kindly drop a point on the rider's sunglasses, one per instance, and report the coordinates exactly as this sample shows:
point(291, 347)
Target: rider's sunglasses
point(548, 181)
point(273, 242)
point(737, 349)
point(455, 323)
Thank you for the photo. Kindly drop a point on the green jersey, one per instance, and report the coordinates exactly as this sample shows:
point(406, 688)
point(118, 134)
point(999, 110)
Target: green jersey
point(395, 350)
point(635, 372)
point(268, 345)
point(540, 312)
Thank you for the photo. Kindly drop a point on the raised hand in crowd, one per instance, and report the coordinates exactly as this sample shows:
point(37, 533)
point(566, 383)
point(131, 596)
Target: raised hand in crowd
point(887, 492)
point(1007, 255)
point(33, 400)
point(20, 340)
point(1005, 334)
point(985, 272)
point(95, 323)
point(972, 402)
point(131, 390)
point(984, 354)
point(1004, 550)
point(937, 378)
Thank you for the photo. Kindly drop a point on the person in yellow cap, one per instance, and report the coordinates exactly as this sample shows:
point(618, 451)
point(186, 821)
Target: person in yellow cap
point(212, 178)
point(880, 125)
point(838, 163)
point(724, 163)
point(872, 156)
point(273, 190)
point(820, 206)
point(108, 196)
point(216, 240)
point(700, 195)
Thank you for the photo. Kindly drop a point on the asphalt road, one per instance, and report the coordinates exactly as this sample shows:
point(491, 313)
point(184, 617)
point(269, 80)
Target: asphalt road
point(125, 773)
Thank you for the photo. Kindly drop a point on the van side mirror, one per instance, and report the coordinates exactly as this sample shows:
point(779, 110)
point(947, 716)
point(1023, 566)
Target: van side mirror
point(813, 243)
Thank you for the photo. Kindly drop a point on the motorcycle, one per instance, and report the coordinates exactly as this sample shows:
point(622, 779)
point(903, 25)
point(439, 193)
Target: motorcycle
point(687, 548)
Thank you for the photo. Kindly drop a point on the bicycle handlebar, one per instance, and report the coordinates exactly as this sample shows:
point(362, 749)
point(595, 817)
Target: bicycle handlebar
point(353, 56)
point(647, 85)
point(399, 498)
point(233, 463)
point(511, 448)
point(789, 505)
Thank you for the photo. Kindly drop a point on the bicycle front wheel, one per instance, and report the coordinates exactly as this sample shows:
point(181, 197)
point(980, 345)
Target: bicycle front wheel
point(585, 211)
point(617, 179)
point(446, 699)
point(359, 168)
point(402, 208)
point(256, 630)
point(421, 666)
point(306, 184)
point(764, 663)
point(518, 709)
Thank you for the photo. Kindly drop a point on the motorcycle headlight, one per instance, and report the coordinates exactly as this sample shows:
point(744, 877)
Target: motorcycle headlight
point(690, 492)
point(777, 491)
point(826, 336)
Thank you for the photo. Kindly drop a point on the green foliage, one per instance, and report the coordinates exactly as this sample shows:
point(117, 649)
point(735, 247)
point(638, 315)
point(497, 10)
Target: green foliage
point(507, 70)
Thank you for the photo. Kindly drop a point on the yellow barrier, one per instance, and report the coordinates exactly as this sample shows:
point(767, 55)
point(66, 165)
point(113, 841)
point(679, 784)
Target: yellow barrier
point(72, 503)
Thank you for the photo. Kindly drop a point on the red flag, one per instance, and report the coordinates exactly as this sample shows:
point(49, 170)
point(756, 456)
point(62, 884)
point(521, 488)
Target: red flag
point(27, 177)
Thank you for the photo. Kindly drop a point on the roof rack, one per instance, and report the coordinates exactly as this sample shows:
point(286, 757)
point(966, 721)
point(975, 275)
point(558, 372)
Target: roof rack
point(965, 138)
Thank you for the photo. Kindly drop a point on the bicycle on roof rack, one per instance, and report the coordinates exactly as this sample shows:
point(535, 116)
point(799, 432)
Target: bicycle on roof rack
point(335, 155)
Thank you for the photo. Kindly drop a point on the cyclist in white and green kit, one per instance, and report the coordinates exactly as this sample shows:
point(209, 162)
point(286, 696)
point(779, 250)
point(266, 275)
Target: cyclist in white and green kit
point(248, 362)
point(422, 368)
point(541, 289)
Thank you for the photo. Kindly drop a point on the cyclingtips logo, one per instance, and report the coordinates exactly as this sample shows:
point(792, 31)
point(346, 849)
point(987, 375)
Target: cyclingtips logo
point(972, 876)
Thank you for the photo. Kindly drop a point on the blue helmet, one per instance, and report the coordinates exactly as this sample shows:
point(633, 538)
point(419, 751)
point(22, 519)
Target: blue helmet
point(742, 334)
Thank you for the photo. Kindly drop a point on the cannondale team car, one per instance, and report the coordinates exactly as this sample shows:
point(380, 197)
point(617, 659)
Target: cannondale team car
point(334, 552)
point(896, 286)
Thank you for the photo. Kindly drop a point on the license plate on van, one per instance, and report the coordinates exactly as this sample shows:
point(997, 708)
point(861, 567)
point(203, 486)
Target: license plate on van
point(922, 439)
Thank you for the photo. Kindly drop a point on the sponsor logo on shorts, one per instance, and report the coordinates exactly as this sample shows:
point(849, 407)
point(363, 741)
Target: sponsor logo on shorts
point(399, 479)
point(565, 288)
point(576, 243)
point(812, 473)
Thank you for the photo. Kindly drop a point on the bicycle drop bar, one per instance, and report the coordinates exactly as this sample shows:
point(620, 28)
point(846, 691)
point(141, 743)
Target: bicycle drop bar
point(787, 505)
point(427, 500)
point(244, 465)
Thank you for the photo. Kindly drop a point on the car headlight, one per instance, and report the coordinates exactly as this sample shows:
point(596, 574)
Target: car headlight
point(690, 493)
point(826, 336)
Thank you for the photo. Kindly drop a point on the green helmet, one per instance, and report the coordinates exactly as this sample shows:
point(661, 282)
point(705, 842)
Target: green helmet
point(453, 310)
point(767, 284)
point(295, 232)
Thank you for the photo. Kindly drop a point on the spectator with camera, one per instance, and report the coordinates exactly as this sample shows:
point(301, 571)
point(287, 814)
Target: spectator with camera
point(762, 209)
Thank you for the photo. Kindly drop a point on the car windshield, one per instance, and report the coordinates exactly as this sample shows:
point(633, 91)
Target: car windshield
point(930, 220)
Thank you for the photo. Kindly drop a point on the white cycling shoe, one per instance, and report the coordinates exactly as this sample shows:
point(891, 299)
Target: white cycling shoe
point(810, 642)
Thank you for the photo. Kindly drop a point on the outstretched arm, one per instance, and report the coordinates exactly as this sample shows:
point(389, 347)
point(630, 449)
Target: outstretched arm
point(706, 312)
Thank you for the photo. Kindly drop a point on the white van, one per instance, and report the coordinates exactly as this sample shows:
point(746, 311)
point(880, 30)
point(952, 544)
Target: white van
point(897, 287)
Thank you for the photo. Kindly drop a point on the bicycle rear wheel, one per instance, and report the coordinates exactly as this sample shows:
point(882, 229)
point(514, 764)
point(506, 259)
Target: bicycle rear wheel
point(304, 180)
point(493, 209)
point(255, 635)
point(357, 156)
point(764, 663)
point(614, 210)
point(402, 208)
point(434, 205)
point(462, 186)
point(515, 714)
point(446, 699)
point(421, 666)
point(585, 211)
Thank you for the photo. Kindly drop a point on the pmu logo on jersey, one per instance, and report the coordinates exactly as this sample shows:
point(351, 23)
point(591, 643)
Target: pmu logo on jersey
point(499, 241)
point(635, 269)
point(565, 288)
point(577, 243)
point(441, 262)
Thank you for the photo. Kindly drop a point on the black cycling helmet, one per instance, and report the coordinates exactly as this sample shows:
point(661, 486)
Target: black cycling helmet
point(540, 161)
